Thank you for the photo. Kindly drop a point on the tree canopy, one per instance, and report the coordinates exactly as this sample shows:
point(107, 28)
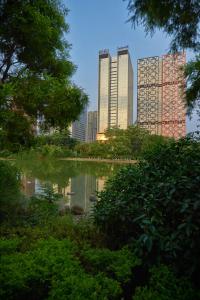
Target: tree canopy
point(180, 19)
point(35, 68)
point(132, 142)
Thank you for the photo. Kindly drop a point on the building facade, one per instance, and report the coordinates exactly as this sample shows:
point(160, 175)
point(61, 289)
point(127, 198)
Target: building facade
point(78, 128)
point(91, 126)
point(115, 90)
point(160, 95)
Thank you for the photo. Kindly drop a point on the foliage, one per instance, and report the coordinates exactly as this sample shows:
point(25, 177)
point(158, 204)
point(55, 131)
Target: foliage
point(50, 151)
point(6, 154)
point(16, 132)
point(56, 259)
point(51, 269)
point(35, 70)
point(155, 205)
point(116, 263)
point(9, 190)
point(163, 285)
point(59, 171)
point(94, 149)
point(47, 256)
point(181, 20)
point(192, 72)
point(61, 138)
point(132, 142)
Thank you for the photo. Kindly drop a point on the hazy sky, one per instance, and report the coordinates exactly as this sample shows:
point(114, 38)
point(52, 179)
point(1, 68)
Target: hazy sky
point(101, 24)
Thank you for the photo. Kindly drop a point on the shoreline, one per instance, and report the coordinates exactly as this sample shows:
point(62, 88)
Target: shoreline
point(120, 161)
point(105, 160)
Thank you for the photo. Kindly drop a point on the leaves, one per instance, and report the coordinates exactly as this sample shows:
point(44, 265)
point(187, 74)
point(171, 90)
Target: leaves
point(35, 69)
point(152, 205)
point(180, 19)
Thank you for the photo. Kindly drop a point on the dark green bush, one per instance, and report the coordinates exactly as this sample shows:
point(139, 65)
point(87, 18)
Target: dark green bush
point(132, 142)
point(156, 206)
point(118, 264)
point(57, 138)
point(163, 285)
point(5, 153)
point(51, 269)
point(10, 196)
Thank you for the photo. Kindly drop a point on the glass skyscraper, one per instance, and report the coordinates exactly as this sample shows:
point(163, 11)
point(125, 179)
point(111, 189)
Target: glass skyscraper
point(115, 92)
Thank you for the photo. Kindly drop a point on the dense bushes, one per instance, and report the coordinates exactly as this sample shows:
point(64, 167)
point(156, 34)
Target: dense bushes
point(133, 142)
point(10, 196)
point(58, 144)
point(163, 285)
point(58, 139)
point(148, 215)
point(155, 205)
point(60, 263)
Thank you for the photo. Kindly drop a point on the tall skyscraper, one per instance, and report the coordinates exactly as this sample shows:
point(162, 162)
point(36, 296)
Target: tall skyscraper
point(115, 93)
point(78, 128)
point(160, 95)
point(91, 126)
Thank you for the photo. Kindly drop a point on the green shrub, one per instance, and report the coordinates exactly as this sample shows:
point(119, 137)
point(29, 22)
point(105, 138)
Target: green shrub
point(50, 151)
point(81, 232)
point(61, 139)
point(51, 269)
point(10, 197)
point(156, 206)
point(163, 285)
point(6, 153)
point(85, 287)
point(118, 264)
point(132, 142)
point(8, 246)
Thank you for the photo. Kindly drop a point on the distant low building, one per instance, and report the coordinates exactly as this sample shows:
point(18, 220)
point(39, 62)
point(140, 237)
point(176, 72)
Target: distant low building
point(78, 128)
point(91, 126)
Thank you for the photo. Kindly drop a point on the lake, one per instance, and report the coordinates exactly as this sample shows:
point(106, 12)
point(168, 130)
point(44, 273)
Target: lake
point(76, 181)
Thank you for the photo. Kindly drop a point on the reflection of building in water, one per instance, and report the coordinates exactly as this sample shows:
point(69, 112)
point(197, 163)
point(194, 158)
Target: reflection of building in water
point(100, 183)
point(28, 185)
point(38, 187)
point(83, 187)
point(79, 192)
point(63, 190)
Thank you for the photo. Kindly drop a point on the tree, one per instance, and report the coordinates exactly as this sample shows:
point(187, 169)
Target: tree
point(35, 69)
point(132, 142)
point(179, 19)
point(192, 72)
point(155, 206)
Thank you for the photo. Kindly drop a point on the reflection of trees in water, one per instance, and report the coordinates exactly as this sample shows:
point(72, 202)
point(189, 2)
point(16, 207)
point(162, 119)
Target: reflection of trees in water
point(27, 185)
point(76, 181)
point(59, 172)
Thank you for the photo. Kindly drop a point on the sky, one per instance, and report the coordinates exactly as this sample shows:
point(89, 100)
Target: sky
point(102, 24)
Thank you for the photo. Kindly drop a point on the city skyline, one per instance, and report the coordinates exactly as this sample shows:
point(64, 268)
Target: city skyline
point(112, 32)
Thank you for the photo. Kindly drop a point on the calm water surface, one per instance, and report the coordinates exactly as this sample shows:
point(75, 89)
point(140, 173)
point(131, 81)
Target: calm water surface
point(76, 181)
